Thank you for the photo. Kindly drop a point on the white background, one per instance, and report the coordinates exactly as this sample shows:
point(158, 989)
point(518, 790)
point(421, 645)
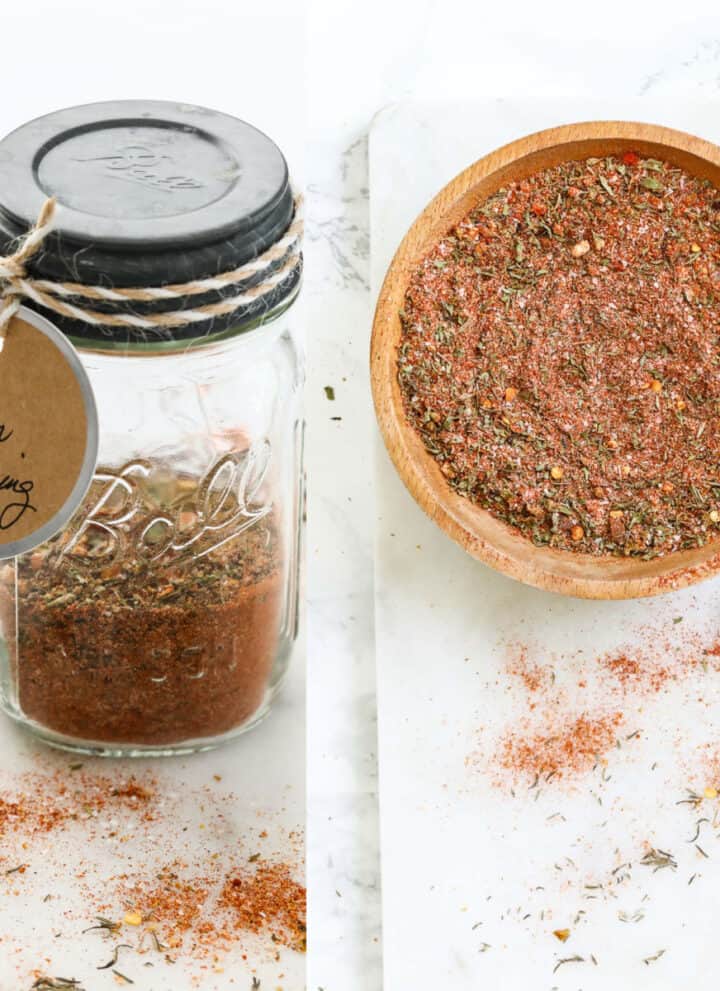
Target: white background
point(245, 59)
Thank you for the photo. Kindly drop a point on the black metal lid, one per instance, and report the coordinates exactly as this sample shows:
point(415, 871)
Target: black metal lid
point(150, 193)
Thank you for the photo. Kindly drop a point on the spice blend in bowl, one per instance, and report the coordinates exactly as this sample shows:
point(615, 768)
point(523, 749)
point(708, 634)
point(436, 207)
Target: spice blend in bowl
point(560, 356)
point(554, 350)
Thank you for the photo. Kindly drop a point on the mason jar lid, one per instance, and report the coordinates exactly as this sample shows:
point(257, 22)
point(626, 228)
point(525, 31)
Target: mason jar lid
point(150, 193)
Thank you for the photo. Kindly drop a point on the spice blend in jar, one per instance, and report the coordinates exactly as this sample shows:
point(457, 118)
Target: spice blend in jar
point(162, 617)
point(560, 360)
point(113, 647)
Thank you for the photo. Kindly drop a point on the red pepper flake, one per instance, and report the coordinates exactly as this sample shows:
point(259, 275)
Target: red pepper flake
point(630, 158)
point(134, 792)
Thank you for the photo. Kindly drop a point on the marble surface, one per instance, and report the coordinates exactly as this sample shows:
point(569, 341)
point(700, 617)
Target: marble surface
point(344, 947)
point(482, 864)
point(360, 58)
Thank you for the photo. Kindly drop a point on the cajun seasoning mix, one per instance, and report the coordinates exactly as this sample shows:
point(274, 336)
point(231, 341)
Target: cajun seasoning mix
point(560, 356)
point(114, 648)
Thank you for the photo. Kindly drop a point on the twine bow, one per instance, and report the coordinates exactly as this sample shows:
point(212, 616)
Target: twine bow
point(12, 267)
point(275, 265)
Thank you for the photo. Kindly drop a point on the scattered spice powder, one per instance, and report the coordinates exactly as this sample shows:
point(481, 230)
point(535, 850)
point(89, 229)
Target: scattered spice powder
point(197, 910)
point(45, 803)
point(178, 909)
point(174, 901)
point(657, 811)
point(559, 356)
point(116, 647)
point(181, 913)
point(535, 677)
point(547, 738)
point(170, 906)
point(571, 750)
point(705, 771)
point(637, 671)
point(269, 897)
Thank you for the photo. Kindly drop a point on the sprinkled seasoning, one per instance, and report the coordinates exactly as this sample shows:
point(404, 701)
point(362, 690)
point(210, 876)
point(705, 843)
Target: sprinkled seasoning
point(571, 750)
point(560, 359)
point(113, 865)
point(268, 897)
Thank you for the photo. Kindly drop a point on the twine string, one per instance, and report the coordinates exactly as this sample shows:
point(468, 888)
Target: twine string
point(64, 298)
point(12, 267)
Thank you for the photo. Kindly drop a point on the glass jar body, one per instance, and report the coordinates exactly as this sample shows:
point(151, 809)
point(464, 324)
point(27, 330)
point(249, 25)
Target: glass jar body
point(162, 618)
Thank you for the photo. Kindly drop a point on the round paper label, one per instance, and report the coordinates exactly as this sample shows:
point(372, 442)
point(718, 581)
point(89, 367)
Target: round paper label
point(48, 432)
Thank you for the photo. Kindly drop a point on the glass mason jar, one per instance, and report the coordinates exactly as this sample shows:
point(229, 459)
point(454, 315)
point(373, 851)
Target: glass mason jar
point(161, 619)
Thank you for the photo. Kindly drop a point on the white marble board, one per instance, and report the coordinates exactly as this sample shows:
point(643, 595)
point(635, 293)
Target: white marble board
point(476, 878)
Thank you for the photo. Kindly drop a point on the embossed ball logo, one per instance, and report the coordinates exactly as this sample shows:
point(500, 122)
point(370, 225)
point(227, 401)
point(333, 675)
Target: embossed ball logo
point(225, 502)
point(140, 163)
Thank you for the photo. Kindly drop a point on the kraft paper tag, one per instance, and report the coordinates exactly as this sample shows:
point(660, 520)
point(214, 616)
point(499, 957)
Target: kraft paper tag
point(48, 433)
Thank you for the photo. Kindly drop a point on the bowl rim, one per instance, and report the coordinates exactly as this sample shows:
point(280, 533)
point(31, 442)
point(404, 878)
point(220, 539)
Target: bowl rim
point(475, 529)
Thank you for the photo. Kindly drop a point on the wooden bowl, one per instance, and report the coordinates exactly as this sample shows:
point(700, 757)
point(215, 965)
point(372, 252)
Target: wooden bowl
point(474, 528)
